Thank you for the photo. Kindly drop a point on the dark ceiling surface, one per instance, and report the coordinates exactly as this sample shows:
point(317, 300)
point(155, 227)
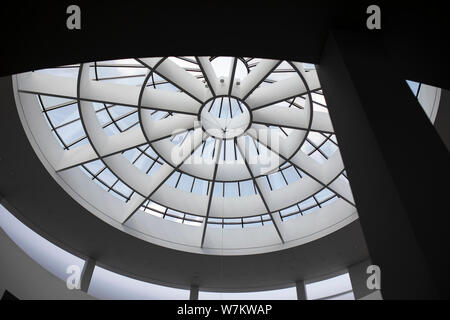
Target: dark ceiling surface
point(414, 36)
point(36, 35)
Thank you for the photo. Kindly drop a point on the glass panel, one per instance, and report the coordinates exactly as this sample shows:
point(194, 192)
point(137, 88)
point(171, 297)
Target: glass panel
point(281, 294)
point(328, 287)
point(108, 285)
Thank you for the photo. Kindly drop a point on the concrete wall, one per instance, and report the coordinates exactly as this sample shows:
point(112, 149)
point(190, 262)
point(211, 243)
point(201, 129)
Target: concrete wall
point(26, 279)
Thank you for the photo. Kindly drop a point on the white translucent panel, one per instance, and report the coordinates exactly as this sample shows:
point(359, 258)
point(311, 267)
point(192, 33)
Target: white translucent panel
point(281, 294)
point(329, 287)
point(108, 285)
point(48, 255)
point(221, 66)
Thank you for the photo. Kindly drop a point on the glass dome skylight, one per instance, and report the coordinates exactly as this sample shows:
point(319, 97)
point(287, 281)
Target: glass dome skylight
point(216, 155)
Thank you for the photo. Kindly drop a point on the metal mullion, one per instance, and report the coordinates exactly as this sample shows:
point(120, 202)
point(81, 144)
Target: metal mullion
point(285, 180)
point(224, 149)
point(320, 104)
point(150, 168)
point(262, 197)
point(122, 77)
point(203, 148)
point(256, 146)
point(298, 171)
point(154, 84)
point(329, 137)
point(111, 117)
point(283, 131)
point(418, 89)
point(58, 106)
point(121, 66)
point(95, 176)
point(95, 70)
point(214, 149)
point(185, 137)
point(76, 141)
point(221, 103)
point(51, 123)
point(233, 73)
point(187, 69)
point(284, 71)
point(131, 126)
point(112, 186)
point(65, 124)
point(139, 156)
point(268, 181)
point(240, 107)
point(154, 159)
point(299, 210)
point(178, 180)
point(317, 147)
point(318, 203)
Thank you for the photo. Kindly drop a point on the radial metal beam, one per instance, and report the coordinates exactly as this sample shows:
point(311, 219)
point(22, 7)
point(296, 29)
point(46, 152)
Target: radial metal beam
point(231, 74)
point(293, 118)
point(276, 92)
point(262, 70)
point(307, 165)
point(209, 74)
point(218, 147)
point(239, 142)
point(181, 79)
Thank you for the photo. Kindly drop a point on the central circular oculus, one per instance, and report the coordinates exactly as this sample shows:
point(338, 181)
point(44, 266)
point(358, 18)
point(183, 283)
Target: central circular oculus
point(225, 117)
